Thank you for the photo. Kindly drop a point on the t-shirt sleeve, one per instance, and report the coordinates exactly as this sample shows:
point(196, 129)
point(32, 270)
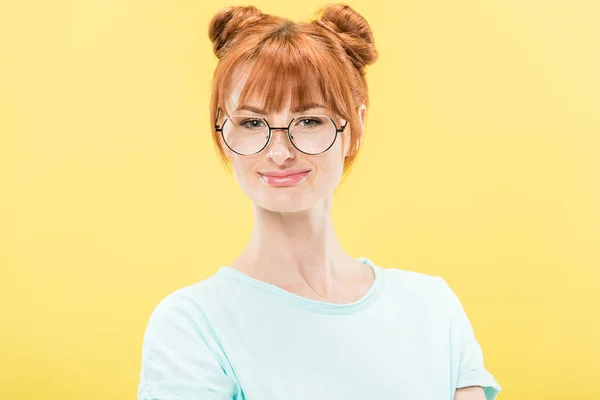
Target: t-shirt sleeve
point(466, 355)
point(177, 361)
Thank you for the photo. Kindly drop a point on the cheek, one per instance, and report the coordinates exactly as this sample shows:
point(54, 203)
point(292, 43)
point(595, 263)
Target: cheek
point(244, 171)
point(240, 171)
point(331, 165)
point(336, 153)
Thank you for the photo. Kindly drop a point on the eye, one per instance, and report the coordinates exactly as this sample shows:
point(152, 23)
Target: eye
point(252, 123)
point(309, 122)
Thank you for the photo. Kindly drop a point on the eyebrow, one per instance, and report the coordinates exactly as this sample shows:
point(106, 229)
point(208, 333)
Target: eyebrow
point(298, 109)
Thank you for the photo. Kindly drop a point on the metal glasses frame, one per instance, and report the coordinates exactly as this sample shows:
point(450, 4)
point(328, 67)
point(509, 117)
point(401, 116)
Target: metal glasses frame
point(337, 130)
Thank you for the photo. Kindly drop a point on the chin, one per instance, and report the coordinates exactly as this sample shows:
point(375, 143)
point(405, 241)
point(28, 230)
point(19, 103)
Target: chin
point(284, 203)
point(291, 199)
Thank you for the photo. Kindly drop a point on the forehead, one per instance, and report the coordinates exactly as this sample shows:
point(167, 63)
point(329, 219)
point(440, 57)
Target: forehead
point(272, 91)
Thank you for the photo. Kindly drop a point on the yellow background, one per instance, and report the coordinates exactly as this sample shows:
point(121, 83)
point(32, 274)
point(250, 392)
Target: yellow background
point(480, 164)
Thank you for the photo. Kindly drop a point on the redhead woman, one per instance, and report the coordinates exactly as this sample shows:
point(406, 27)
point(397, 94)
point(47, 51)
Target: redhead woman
point(295, 316)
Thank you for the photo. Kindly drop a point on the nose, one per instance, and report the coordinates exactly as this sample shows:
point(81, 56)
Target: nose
point(280, 149)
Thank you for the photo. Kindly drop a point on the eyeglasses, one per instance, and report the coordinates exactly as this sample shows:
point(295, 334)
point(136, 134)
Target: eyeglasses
point(311, 134)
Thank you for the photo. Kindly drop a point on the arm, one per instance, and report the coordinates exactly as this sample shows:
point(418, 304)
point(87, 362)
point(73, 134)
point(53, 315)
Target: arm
point(470, 393)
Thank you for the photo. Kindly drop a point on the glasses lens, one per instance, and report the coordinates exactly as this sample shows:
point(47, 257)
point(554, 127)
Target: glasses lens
point(245, 135)
point(312, 134)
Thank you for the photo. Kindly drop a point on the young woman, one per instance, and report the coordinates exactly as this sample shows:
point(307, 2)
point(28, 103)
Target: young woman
point(295, 316)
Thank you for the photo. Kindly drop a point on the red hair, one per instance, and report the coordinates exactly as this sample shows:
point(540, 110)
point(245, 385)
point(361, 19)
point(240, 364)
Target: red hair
point(286, 57)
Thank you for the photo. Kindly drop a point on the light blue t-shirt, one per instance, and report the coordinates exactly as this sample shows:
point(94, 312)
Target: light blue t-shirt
point(231, 336)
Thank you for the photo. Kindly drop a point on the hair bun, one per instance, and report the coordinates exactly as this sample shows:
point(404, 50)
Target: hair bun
point(353, 30)
point(228, 22)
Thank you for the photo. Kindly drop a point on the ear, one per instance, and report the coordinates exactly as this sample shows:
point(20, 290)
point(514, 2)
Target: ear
point(362, 114)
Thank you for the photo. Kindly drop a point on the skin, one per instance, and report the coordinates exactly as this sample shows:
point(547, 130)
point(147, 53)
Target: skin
point(470, 393)
point(293, 244)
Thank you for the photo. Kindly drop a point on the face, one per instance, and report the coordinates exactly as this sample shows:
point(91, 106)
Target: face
point(280, 178)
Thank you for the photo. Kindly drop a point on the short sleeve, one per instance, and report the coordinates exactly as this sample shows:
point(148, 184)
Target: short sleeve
point(177, 361)
point(467, 365)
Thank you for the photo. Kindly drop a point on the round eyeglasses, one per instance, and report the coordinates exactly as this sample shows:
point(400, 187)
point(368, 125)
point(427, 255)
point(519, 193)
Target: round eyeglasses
point(310, 134)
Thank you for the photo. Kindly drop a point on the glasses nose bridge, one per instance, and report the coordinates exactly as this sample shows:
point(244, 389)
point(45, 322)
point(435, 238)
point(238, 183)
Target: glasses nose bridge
point(282, 128)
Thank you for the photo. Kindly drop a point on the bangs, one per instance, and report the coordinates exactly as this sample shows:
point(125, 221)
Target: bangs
point(287, 65)
point(275, 63)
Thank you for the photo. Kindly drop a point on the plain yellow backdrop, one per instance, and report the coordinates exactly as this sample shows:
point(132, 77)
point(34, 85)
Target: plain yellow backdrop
point(480, 164)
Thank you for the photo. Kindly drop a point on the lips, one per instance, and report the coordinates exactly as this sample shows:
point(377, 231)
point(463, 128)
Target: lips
point(284, 178)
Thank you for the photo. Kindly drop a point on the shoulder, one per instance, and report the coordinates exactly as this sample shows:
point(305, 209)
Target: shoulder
point(180, 345)
point(180, 323)
point(182, 309)
point(417, 282)
point(419, 288)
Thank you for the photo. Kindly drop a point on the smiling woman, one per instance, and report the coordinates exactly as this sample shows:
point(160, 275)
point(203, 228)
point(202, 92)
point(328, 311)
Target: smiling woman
point(295, 316)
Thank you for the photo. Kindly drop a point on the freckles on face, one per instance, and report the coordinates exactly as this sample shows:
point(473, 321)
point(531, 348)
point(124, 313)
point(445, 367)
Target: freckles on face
point(281, 157)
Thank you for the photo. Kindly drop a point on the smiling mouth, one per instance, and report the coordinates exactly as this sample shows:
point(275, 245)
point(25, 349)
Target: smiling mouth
point(278, 180)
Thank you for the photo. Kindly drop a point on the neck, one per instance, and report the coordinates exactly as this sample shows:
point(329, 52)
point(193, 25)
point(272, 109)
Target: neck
point(298, 250)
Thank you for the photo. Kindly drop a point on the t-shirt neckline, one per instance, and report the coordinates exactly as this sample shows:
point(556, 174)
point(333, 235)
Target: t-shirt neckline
point(309, 304)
